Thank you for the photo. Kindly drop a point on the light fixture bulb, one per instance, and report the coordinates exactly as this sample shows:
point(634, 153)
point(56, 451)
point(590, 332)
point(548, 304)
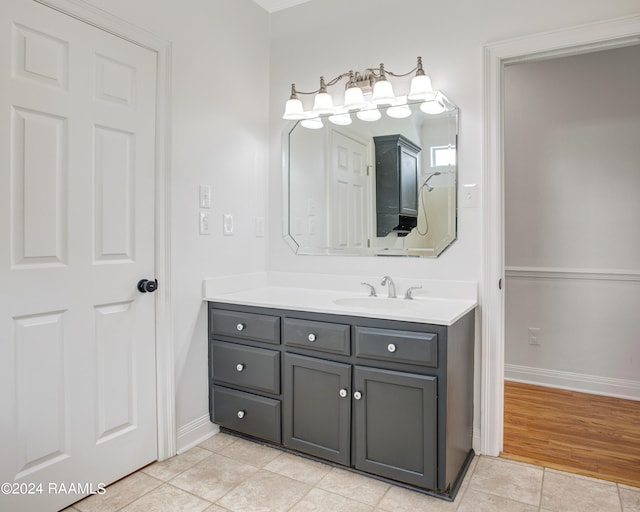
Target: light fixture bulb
point(383, 93)
point(312, 123)
point(421, 88)
point(433, 106)
point(354, 98)
point(399, 111)
point(293, 110)
point(372, 114)
point(323, 102)
point(341, 119)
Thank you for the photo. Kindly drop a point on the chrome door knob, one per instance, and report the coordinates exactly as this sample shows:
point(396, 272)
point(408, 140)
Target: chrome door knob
point(240, 414)
point(357, 395)
point(240, 327)
point(239, 367)
point(311, 337)
point(343, 393)
point(391, 348)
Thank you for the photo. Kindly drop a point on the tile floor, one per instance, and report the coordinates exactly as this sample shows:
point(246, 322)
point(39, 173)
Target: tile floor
point(226, 473)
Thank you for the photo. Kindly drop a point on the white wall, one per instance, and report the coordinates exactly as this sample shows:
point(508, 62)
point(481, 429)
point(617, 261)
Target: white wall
point(331, 36)
point(572, 177)
point(219, 133)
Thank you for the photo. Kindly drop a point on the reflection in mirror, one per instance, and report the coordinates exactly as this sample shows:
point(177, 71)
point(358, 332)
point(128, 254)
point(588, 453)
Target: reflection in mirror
point(379, 188)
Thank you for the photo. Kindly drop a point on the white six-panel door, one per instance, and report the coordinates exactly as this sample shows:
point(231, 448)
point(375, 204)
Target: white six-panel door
point(349, 192)
point(77, 339)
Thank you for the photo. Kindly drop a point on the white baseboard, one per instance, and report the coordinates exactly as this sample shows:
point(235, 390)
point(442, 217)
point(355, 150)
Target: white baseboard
point(594, 384)
point(194, 432)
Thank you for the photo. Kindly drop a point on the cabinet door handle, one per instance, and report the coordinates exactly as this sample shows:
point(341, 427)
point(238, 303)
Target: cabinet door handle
point(357, 395)
point(343, 392)
point(240, 327)
point(240, 414)
point(391, 348)
point(240, 367)
point(312, 337)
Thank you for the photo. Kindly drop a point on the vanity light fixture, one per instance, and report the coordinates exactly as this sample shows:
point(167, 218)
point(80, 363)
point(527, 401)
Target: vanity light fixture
point(364, 93)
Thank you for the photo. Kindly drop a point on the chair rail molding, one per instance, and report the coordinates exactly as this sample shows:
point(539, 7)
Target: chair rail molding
point(569, 41)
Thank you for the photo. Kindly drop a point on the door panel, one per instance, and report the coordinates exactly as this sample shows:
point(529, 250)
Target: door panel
point(77, 347)
point(317, 419)
point(395, 425)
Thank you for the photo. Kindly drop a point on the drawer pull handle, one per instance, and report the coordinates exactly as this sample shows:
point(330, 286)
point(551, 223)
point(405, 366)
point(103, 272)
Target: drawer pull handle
point(312, 337)
point(240, 327)
point(357, 395)
point(240, 414)
point(391, 348)
point(343, 393)
point(239, 367)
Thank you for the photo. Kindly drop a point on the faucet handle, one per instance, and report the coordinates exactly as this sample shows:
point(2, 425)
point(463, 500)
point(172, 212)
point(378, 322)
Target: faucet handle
point(409, 293)
point(372, 290)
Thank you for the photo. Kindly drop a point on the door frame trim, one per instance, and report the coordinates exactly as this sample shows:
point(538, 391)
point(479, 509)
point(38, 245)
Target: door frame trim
point(570, 41)
point(164, 364)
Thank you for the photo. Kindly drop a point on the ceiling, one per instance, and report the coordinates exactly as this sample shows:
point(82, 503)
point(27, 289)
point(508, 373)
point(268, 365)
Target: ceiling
point(278, 5)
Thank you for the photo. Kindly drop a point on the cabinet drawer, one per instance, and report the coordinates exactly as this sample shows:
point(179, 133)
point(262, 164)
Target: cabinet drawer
point(251, 414)
point(418, 348)
point(321, 336)
point(249, 367)
point(245, 325)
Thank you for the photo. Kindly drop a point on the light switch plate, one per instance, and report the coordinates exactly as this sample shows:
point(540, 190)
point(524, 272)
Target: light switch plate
point(205, 223)
point(227, 224)
point(205, 196)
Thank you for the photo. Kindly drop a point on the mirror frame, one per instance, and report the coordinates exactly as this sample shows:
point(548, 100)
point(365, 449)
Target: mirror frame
point(432, 252)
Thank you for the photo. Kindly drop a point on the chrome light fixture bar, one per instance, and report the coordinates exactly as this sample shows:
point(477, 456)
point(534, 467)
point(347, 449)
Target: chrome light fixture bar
point(364, 93)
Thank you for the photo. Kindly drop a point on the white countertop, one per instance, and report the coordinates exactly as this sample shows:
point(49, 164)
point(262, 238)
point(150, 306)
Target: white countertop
point(424, 308)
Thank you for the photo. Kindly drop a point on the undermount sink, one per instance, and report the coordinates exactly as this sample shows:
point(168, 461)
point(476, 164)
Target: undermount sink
point(376, 303)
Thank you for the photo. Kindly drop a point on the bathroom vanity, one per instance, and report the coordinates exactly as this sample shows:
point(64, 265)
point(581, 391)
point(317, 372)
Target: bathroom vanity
point(387, 397)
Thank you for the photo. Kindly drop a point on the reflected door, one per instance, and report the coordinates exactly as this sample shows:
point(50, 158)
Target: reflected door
point(349, 193)
point(77, 348)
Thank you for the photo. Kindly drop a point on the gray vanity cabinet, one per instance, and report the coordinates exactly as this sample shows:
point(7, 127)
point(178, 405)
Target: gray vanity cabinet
point(317, 407)
point(389, 398)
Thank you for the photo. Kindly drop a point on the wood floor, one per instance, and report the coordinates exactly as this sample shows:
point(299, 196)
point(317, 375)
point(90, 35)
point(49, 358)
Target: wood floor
point(587, 434)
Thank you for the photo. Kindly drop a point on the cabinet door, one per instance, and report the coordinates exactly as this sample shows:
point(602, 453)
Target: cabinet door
point(396, 425)
point(317, 407)
point(408, 182)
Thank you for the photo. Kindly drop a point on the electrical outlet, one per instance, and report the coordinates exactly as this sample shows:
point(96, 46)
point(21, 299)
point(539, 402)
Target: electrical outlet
point(204, 196)
point(469, 197)
point(534, 335)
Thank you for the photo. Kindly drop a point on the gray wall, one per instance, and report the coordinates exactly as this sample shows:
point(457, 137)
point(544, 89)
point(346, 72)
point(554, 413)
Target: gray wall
point(572, 185)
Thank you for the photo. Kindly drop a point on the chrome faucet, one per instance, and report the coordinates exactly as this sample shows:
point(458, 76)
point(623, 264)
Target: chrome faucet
point(386, 280)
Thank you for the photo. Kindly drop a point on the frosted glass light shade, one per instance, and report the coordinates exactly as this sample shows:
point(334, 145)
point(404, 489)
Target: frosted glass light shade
point(353, 98)
point(383, 93)
point(293, 110)
point(323, 103)
point(433, 106)
point(421, 88)
point(341, 119)
point(313, 123)
point(372, 114)
point(399, 111)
